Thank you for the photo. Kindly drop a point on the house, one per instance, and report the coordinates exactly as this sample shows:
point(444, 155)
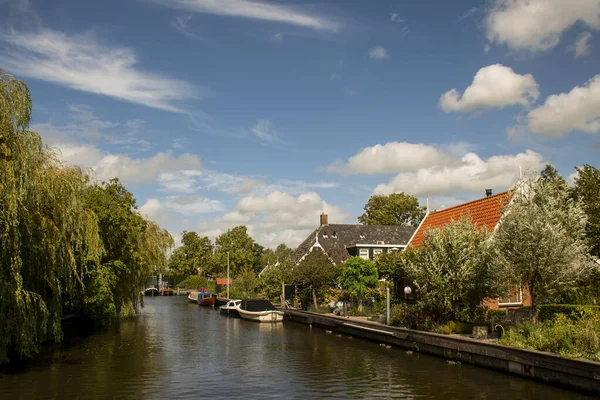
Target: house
point(486, 213)
point(341, 241)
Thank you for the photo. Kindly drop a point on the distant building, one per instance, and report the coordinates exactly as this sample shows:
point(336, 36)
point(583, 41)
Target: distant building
point(485, 213)
point(341, 241)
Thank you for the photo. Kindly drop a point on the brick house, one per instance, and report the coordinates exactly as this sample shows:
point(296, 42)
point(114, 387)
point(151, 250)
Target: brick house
point(486, 213)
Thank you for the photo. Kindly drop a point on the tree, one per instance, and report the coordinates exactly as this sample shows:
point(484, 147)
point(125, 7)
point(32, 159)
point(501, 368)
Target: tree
point(280, 254)
point(453, 265)
point(315, 271)
point(540, 242)
point(358, 275)
point(587, 191)
point(240, 247)
point(272, 278)
point(195, 252)
point(48, 238)
point(393, 209)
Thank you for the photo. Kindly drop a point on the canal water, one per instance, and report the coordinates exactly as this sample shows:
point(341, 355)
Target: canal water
point(178, 350)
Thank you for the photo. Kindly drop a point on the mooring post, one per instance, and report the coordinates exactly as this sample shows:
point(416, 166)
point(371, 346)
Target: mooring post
point(387, 301)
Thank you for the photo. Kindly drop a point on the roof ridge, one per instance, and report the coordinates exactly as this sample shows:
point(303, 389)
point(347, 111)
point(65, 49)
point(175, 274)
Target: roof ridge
point(472, 201)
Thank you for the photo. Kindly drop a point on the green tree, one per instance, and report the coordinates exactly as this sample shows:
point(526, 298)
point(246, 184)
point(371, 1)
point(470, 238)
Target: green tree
point(271, 279)
point(195, 252)
point(244, 285)
point(315, 271)
point(393, 209)
point(240, 247)
point(540, 242)
point(48, 238)
point(358, 275)
point(453, 265)
point(587, 191)
point(281, 254)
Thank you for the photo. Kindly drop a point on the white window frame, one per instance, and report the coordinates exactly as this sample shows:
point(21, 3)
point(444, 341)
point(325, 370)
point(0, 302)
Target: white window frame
point(363, 253)
point(377, 252)
point(512, 303)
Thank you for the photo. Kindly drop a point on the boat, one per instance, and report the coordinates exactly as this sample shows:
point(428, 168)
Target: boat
point(207, 299)
point(221, 301)
point(193, 296)
point(166, 291)
point(151, 291)
point(231, 308)
point(259, 310)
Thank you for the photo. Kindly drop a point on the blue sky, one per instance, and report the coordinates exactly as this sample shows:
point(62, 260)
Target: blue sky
point(266, 113)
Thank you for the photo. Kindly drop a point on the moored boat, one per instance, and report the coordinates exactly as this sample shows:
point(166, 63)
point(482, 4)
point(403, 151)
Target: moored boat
point(259, 310)
point(230, 308)
point(151, 291)
point(207, 299)
point(166, 291)
point(193, 296)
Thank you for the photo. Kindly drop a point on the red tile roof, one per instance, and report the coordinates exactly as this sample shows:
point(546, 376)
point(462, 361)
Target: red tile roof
point(485, 212)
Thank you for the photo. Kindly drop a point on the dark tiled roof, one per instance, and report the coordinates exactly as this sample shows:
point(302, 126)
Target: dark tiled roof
point(335, 238)
point(485, 212)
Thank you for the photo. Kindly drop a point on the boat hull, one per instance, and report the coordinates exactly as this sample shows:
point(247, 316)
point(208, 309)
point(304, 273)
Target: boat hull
point(230, 312)
point(262, 316)
point(151, 292)
point(207, 302)
point(193, 296)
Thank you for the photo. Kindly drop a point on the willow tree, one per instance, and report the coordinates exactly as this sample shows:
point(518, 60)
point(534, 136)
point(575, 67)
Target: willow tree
point(47, 236)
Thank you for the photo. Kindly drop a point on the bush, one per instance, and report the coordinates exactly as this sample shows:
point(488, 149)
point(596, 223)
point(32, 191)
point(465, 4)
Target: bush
point(455, 327)
point(411, 316)
point(548, 312)
point(476, 315)
point(567, 336)
point(494, 313)
point(194, 282)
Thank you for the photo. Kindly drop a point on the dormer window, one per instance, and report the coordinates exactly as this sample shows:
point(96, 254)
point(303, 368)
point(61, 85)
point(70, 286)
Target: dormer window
point(334, 234)
point(325, 235)
point(362, 235)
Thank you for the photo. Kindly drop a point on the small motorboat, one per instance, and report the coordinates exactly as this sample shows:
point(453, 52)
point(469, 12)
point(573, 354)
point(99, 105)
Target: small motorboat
point(207, 299)
point(193, 296)
point(221, 301)
point(151, 291)
point(166, 291)
point(259, 310)
point(231, 308)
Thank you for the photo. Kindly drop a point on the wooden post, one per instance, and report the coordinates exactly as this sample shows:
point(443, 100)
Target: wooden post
point(282, 293)
point(387, 301)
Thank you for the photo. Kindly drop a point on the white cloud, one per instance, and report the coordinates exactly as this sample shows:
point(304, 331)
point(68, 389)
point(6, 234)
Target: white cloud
point(80, 62)
point(127, 169)
point(391, 157)
point(276, 217)
point(188, 205)
point(397, 18)
point(582, 45)
point(257, 10)
point(378, 53)
point(578, 110)
point(537, 25)
point(263, 131)
point(183, 181)
point(471, 174)
point(278, 37)
point(494, 86)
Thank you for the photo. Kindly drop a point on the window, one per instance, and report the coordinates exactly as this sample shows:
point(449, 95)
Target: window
point(334, 234)
point(325, 235)
point(377, 252)
point(364, 253)
point(362, 235)
point(515, 298)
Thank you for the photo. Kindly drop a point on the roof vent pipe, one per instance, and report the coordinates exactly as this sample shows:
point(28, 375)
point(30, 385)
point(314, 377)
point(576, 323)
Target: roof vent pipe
point(488, 192)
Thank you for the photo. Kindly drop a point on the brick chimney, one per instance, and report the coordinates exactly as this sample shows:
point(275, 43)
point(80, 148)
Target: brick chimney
point(488, 192)
point(324, 219)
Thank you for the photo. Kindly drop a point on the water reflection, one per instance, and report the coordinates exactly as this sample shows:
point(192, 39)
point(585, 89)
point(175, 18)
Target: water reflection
point(180, 350)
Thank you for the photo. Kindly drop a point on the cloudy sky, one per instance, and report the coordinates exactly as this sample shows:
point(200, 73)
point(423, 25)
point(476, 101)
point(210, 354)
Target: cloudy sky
point(216, 113)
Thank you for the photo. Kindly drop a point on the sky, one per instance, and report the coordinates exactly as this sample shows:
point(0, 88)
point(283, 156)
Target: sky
point(217, 113)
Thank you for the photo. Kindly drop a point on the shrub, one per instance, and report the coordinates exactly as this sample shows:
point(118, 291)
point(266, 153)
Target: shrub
point(496, 313)
point(412, 316)
point(476, 315)
point(455, 327)
point(548, 312)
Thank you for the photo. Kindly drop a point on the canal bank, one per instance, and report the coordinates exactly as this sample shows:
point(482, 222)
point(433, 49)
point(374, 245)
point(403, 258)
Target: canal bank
point(574, 374)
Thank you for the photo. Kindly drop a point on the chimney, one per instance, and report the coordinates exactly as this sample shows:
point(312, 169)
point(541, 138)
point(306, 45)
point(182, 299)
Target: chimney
point(488, 192)
point(324, 220)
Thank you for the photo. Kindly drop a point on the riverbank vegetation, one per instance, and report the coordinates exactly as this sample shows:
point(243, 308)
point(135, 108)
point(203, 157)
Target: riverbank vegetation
point(68, 245)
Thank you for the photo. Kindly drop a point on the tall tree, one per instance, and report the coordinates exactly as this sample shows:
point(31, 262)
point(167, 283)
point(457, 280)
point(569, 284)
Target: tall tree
point(193, 255)
point(239, 245)
point(48, 238)
point(393, 209)
point(316, 271)
point(587, 190)
point(358, 275)
point(453, 265)
point(540, 243)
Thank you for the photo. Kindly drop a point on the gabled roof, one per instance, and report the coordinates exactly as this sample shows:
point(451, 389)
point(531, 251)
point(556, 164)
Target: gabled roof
point(334, 239)
point(485, 212)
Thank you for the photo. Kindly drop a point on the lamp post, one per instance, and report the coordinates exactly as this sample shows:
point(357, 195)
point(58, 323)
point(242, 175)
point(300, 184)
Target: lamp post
point(227, 274)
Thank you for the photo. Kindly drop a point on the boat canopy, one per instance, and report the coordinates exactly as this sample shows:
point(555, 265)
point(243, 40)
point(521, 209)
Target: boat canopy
point(257, 305)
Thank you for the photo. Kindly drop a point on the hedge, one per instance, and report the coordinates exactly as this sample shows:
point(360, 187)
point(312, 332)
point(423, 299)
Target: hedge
point(547, 312)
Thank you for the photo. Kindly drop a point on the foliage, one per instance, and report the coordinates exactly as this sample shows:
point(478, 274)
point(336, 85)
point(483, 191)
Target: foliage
point(358, 275)
point(548, 312)
point(473, 315)
point(193, 254)
point(540, 242)
point(393, 209)
point(412, 316)
point(587, 191)
point(455, 327)
point(134, 248)
point(239, 245)
point(563, 335)
point(393, 264)
point(494, 313)
point(47, 235)
point(315, 271)
point(271, 279)
point(454, 264)
point(244, 286)
point(194, 282)
point(280, 255)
